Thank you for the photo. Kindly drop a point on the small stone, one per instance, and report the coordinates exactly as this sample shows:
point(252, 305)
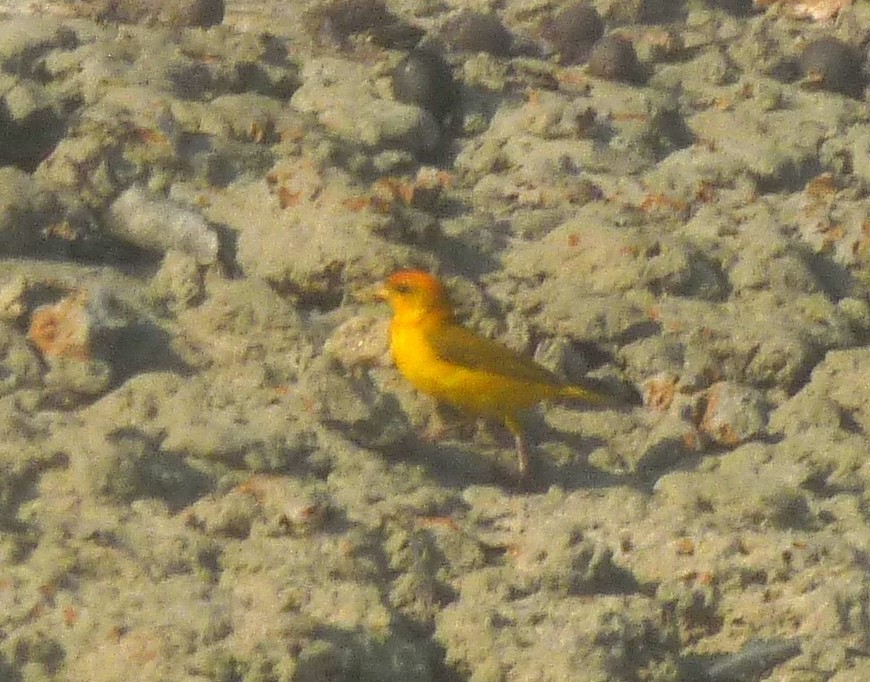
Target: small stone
point(157, 224)
point(614, 58)
point(343, 18)
point(233, 516)
point(176, 13)
point(425, 79)
point(472, 31)
point(74, 377)
point(734, 413)
point(77, 339)
point(64, 329)
point(831, 64)
point(671, 441)
point(658, 391)
point(304, 515)
point(336, 21)
point(12, 292)
point(573, 32)
point(178, 284)
point(338, 92)
point(20, 218)
point(19, 364)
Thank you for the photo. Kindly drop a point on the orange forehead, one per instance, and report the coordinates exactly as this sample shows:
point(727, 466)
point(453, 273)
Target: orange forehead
point(416, 279)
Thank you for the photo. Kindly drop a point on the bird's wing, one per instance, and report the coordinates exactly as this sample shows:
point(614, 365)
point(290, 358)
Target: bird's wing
point(459, 346)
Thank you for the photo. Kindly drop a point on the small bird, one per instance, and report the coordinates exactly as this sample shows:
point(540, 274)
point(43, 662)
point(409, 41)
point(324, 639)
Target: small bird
point(440, 357)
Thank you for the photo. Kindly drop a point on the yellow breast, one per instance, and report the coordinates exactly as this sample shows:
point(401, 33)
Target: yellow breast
point(474, 390)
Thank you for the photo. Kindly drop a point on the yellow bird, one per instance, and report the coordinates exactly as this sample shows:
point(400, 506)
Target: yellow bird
point(458, 367)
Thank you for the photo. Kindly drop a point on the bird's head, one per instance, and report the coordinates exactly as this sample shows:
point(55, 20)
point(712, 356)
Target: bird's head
point(416, 295)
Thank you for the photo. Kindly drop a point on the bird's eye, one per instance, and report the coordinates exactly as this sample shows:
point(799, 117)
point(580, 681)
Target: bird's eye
point(402, 288)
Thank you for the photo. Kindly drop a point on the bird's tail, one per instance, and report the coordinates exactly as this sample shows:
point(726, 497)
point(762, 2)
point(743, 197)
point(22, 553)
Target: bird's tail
point(601, 394)
point(587, 395)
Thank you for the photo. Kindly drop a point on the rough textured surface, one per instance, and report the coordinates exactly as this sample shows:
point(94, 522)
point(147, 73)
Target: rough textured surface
point(209, 469)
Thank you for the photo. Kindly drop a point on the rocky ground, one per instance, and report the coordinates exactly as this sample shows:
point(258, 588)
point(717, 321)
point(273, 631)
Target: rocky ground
point(209, 469)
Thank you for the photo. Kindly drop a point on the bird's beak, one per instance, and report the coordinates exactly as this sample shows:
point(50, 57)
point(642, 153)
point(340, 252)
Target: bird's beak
point(374, 292)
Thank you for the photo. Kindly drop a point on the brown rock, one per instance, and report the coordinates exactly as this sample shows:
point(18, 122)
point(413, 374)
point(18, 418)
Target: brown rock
point(62, 330)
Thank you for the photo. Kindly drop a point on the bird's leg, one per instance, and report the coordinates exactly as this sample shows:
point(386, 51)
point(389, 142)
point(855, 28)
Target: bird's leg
point(522, 455)
point(482, 432)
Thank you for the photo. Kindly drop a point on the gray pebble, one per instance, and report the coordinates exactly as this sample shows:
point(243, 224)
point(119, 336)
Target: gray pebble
point(573, 32)
point(472, 31)
point(157, 224)
point(614, 58)
point(424, 78)
point(832, 65)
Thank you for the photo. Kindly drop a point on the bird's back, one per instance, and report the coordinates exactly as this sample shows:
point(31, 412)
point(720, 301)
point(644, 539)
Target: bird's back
point(474, 373)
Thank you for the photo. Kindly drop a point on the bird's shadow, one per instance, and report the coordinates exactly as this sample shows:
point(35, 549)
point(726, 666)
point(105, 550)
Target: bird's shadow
point(458, 462)
point(577, 473)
